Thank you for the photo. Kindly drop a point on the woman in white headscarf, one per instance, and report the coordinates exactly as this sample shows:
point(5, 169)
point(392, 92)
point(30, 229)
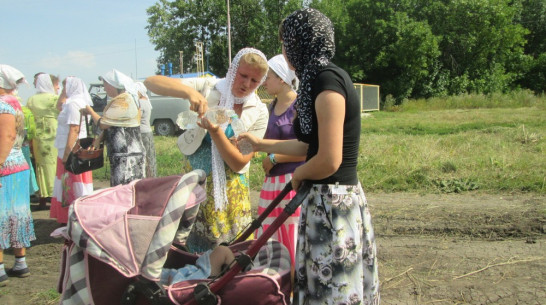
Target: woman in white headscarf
point(121, 125)
point(146, 130)
point(68, 186)
point(43, 107)
point(281, 83)
point(16, 225)
point(227, 210)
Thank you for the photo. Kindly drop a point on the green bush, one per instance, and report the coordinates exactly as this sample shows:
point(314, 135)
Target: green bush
point(492, 143)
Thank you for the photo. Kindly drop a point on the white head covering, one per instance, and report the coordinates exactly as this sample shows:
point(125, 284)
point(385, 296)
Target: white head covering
point(119, 80)
point(280, 66)
point(121, 111)
point(76, 92)
point(141, 88)
point(227, 100)
point(9, 77)
point(224, 86)
point(44, 84)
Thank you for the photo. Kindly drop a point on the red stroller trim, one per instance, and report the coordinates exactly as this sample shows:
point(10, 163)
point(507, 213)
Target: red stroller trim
point(207, 297)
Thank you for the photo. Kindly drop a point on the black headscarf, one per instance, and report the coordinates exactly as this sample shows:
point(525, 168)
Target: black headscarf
point(308, 39)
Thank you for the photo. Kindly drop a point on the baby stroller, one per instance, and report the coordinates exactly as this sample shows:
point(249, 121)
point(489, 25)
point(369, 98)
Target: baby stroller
point(118, 240)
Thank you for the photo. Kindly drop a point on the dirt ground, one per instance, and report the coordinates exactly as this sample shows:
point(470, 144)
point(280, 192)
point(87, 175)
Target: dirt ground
point(433, 249)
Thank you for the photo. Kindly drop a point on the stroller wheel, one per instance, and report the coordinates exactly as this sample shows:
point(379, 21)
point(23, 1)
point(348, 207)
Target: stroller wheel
point(129, 296)
point(152, 291)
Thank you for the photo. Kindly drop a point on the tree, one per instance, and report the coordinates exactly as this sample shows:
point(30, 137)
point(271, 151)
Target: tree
point(378, 42)
point(174, 26)
point(533, 18)
point(481, 44)
point(410, 48)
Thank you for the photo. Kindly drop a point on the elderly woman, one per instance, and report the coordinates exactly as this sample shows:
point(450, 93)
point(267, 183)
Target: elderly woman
point(16, 225)
point(68, 186)
point(146, 129)
point(43, 106)
point(227, 210)
point(121, 125)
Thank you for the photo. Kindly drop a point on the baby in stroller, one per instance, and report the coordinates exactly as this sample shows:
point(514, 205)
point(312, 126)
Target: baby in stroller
point(209, 264)
point(121, 244)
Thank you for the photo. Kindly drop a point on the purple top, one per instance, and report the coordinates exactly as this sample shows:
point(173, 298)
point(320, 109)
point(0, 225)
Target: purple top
point(279, 127)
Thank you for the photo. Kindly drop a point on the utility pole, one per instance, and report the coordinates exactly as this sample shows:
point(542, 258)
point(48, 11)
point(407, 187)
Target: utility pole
point(229, 33)
point(181, 55)
point(199, 58)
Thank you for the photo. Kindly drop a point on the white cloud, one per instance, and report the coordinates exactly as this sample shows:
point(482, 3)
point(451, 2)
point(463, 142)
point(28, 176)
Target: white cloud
point(73, 59)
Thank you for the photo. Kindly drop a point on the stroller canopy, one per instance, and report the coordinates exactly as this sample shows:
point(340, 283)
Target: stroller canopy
point(131, 227)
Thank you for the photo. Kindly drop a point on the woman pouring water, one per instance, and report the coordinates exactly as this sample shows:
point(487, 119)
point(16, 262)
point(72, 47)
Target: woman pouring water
point(211, 146)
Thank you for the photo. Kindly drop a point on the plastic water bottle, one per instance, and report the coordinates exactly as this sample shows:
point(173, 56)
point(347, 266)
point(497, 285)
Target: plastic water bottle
point(219, 115)
point(187, 120)
point(238, 127)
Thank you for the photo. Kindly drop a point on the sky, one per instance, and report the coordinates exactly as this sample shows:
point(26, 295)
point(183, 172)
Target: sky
point(76, 38)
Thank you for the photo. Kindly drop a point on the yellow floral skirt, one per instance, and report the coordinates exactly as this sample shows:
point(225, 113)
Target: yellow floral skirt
point(213, 227)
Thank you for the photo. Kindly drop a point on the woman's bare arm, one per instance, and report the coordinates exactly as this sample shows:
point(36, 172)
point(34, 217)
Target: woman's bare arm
point(330, 109)
point(168, 86)
point(73, 132)
point(7, 135)
point(227, 149)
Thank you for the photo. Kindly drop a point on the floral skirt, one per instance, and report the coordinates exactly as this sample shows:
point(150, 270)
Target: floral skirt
point(212, 227)
point(149, 148)
point(16, 224)
point(125, 168)
point(68, 187)
point(336, 259)
point(287, 233)
point(45, 155)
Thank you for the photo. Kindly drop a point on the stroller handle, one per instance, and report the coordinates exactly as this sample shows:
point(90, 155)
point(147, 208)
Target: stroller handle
point(302, 193)
point(257, 223)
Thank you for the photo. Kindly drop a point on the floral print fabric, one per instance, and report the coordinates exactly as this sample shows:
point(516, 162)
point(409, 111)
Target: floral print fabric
point(43, 107)
point(336, 259)
point(214, 226)
point(15, 162)
point(16, 224)
point(149, 148)
point(308, 39)
point(126, 154)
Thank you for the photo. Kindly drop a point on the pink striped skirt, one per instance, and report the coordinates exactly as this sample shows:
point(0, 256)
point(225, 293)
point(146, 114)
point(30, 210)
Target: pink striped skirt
point(287, 232)
point(67, 188)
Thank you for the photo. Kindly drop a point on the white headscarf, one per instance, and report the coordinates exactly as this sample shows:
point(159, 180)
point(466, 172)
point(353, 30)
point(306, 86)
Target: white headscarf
point(141, 88)
point(279, 65)
point(44, 84)
point(76, 92)
point(227, 100)
point(9, 77)
point(119, 80)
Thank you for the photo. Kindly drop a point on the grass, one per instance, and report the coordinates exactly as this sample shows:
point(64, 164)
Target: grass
point(46, 297)
point(438, 145)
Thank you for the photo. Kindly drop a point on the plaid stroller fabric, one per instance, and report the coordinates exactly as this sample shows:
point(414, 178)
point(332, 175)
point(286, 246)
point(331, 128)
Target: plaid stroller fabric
point(266, 281)
point(128, 227)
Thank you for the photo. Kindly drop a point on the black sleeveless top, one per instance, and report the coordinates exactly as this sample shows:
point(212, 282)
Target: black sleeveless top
point(336, 79)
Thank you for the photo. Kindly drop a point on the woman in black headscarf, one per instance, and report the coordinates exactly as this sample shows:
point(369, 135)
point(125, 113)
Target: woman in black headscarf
point(336, 254)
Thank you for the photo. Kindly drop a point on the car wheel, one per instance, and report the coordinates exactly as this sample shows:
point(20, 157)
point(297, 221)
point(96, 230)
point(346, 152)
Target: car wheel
point(164, 128)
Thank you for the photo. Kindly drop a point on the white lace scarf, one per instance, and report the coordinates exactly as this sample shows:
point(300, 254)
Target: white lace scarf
point(227, 100)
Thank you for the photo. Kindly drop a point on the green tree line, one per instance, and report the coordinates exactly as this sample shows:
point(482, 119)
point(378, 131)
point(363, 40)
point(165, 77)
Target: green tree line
point(412, 49)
